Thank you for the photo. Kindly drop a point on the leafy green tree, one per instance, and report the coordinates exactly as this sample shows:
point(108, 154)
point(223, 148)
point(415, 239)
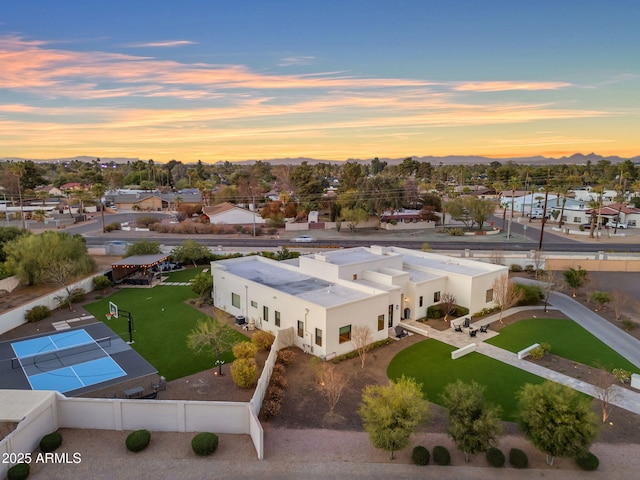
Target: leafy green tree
point(474, 424)
point(353, 216)
point(602, 298)
point(382, 193)
point(352, 174)
point(392, 413)
point(8, 234)
point(191, 251)
point(212, 336)
point(575, 278)
point(143, 247)
point(202, 284)
point(51, 257)
point(557, 420)
point(470, 210)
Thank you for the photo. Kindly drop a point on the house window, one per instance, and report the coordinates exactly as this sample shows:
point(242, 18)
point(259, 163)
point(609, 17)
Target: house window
point(564, 218)
point(318, 337)
point(254, 304)
point(577, 219)
point(436, 297)
point(277, 318)
point(421, 300)
point(488, 297)
point(380, 322)
point(265, 313)
point(300, 328)
point(345, 334)
point(235, 300)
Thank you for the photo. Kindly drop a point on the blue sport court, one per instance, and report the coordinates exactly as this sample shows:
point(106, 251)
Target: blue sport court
point(73, 362)
point(65, 361)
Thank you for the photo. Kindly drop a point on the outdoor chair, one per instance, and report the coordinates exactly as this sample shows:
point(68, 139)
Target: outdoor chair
point(484, 328)
point(472, 333)
point(457, 328)
point(466, 323)
point(400, 332)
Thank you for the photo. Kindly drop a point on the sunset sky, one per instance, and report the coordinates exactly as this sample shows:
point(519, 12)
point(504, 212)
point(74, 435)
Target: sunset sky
point(333, 80)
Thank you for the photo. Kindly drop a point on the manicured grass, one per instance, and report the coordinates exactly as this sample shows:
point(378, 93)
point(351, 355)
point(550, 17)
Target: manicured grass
point(567, 339)
point(184, 275)
point(429, 362)
point(162, 323)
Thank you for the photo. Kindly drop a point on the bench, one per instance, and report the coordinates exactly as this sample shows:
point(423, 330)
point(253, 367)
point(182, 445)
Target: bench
point(135, 392)
point(463, 351)
point(525, 352)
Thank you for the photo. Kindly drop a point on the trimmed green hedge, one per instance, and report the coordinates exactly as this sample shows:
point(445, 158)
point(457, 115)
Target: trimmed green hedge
point(420, 455)
point(529, 294)
point(204, 443)
point(441, 455)
point(18, 472)
point(495, 457)
point(138, 440)
point(50, 442)
point(518, 459)
point(588, 462)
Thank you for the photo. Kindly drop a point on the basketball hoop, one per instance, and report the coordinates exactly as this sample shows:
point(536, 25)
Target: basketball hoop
point(109, 316)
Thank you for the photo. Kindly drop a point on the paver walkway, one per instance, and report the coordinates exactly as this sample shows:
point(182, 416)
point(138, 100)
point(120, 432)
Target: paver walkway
point(624, 344)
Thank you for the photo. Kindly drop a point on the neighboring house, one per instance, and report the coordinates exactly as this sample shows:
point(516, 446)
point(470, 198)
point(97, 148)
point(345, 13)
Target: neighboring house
point(525, 203)
point(323, 296)
point(50, 190)
point(73, 186)
point(586, 194)
point(150, 201)
point(231, 214)
point(617, 212)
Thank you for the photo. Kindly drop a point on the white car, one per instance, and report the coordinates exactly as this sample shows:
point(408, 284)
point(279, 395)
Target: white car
point(618, 225)
point(303, 239)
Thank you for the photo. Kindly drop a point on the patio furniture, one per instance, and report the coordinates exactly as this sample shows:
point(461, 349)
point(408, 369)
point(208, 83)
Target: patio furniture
point(466, 322)
point(472, 332)
point(400, 332)
point(457, 328)
point(484, 328)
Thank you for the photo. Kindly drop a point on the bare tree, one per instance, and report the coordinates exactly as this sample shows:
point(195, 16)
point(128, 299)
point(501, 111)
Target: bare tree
point(538, 261)
point(497, 257)
point(361, 338)
point(212, 336)
point(447, 304)
point(620, 300)
point(550, 278)
point(606, 391)
point(332, 384)
point(505, 294)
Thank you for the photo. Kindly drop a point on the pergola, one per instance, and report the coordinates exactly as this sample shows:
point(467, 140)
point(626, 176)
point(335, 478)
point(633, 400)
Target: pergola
point(136, 263)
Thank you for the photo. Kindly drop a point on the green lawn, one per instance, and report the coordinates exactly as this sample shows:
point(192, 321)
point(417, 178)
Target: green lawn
point(567, 339)
point(162, 321)
point(429, 362)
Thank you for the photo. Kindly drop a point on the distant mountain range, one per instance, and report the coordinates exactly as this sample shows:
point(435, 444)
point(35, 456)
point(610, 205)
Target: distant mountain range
point(575, 159)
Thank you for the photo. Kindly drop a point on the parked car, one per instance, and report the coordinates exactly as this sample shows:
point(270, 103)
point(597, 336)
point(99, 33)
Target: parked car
point(303, 239)
point(618, 225)
point(538, 213)
point(587, 226)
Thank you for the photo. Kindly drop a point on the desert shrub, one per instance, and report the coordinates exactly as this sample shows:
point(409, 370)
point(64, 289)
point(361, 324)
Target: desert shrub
point(113, 226)
point(628, 324)
point(204, 443)
point(529, 294)
point(286, 357)
point(514, 267)
point(434, 311)
point(145, 220)
point(18, 472)
point(101, 282)
point(456, 232)
point(518, 459)
point(244, 372)
point(275, 393)
point(441, 455)
point(529, 268)
point(245, 350)
point(37, 313)
point(622, 375)
point(50, 442)
point(278, 369)
point(271, 408)
point(461, 311)
point(588, 461)
point(495, 457)
point(540, 351)
point(77, 295)
point(420, 455)
point(279, 380)
point(263, 340)
point(138, 440)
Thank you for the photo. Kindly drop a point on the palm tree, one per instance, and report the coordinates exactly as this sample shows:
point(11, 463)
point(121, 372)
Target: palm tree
point(18, 171)
point(98, 190)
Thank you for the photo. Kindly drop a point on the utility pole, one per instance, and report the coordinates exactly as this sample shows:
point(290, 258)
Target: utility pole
point(544, 211)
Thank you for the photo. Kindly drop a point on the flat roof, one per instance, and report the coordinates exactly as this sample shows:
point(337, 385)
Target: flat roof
point(312, 289)
point(349, 256)
point(446, 264)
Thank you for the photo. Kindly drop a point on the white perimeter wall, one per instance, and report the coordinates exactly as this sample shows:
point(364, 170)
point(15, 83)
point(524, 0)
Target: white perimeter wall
point(14, 318)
